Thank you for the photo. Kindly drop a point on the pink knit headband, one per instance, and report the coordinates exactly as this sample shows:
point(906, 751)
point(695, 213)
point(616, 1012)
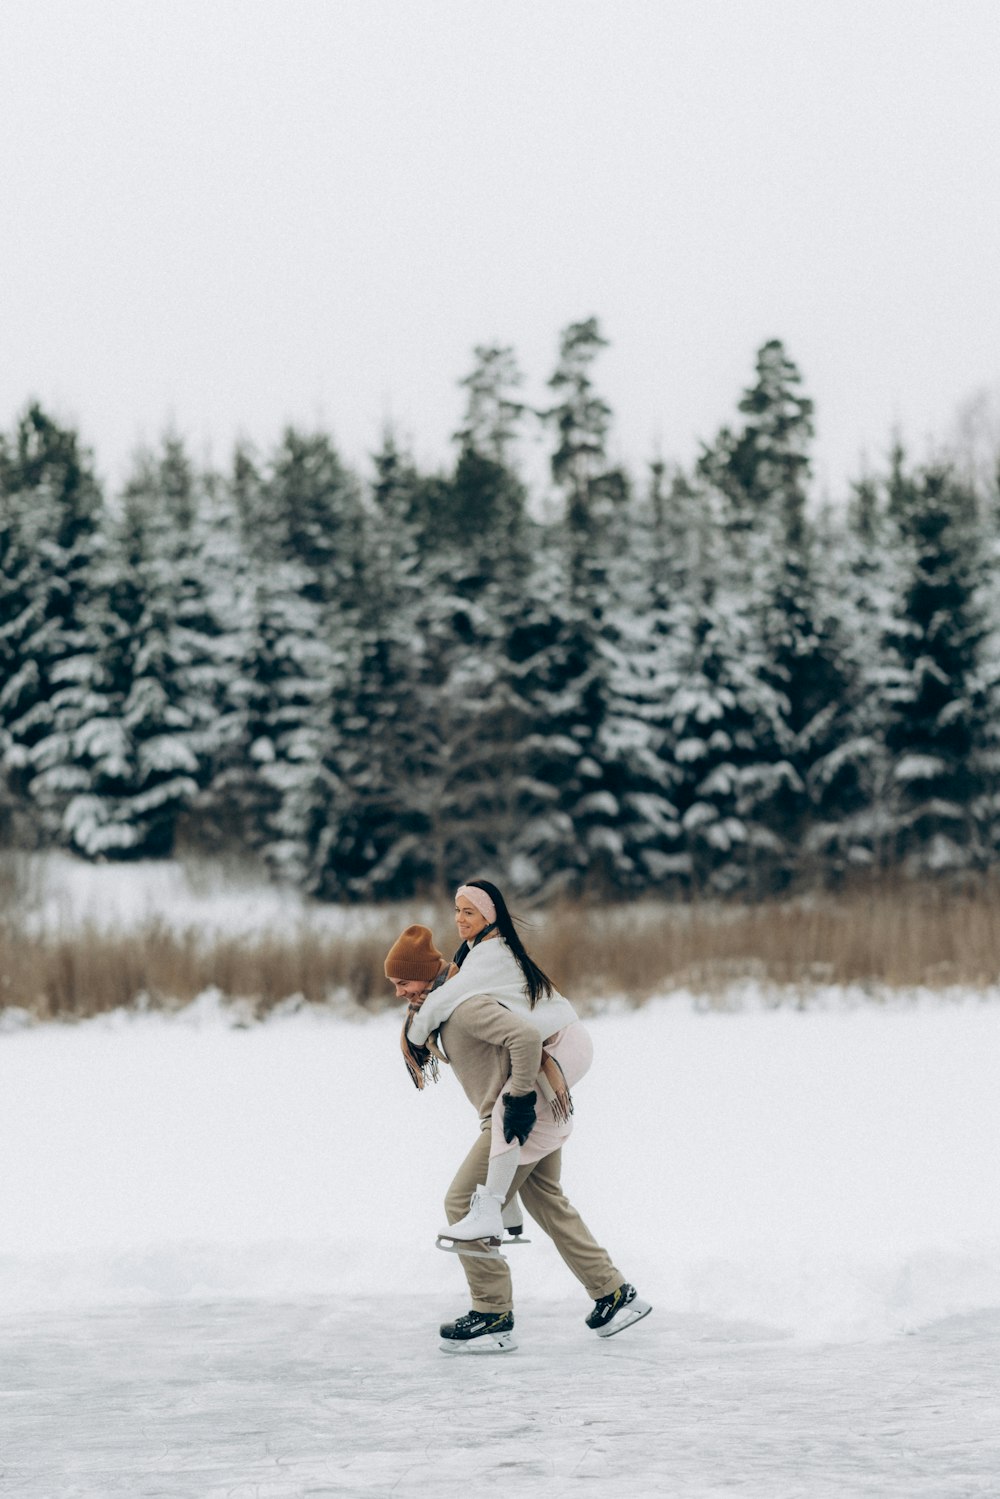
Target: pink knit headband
point(479, 899)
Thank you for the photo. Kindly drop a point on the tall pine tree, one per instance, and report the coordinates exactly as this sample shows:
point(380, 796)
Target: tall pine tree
point(51, 511)
point(937, 730)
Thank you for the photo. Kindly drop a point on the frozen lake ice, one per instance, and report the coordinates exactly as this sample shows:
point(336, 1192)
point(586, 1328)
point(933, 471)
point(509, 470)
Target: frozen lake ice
point(282, 1399)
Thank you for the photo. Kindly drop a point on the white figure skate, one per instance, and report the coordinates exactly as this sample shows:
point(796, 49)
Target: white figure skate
point(478, 1235)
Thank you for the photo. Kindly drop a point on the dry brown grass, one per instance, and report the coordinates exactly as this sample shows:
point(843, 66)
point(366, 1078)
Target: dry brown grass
point(883, 939)
point(90, 972)
point(890, 939)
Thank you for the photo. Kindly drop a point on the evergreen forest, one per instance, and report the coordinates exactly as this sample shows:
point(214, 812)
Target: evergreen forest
point(680, 682)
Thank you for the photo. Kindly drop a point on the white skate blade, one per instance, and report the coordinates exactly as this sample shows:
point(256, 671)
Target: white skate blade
point(501, 1342)
point(470, 1249)
point(514, 1241)
point(634, 1312)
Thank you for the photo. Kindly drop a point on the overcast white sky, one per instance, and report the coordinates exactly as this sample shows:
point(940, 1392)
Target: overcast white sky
point(229, 214)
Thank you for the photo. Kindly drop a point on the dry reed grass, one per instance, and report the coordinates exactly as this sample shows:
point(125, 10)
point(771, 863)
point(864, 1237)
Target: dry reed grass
point(62, 976)
point(888, 939)
point(881, 939)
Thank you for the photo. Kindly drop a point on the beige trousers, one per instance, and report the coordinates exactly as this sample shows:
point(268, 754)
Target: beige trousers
point(543, 1197)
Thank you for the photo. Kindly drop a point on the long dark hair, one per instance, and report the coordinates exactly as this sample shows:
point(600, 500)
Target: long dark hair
point(536, 982)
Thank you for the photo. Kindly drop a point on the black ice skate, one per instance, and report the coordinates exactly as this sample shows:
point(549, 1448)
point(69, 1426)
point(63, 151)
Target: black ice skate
point(614, 1313)
point(479, 1332)
point(513, 1224)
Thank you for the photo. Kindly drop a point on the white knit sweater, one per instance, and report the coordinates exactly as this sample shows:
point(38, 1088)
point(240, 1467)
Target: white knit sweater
point(491, 969)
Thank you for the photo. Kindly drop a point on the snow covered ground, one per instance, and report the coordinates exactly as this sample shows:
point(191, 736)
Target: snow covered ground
point(217, 1272)
point(65, 893)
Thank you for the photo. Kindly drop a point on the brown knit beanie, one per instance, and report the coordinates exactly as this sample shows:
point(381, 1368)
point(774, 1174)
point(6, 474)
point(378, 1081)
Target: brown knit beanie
point(413, 956)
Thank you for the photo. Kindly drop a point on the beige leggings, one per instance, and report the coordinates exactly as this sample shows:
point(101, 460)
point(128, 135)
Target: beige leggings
point(543, 1197)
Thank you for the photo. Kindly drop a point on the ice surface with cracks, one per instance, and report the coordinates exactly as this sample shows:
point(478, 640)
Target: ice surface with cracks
point(345, 1397)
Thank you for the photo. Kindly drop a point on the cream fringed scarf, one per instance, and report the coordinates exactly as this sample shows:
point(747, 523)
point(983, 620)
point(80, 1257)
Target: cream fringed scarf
point(422, 1058)
point(422, 1063)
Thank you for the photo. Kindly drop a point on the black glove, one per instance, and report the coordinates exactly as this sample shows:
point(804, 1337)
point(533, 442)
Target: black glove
point(518, 1116)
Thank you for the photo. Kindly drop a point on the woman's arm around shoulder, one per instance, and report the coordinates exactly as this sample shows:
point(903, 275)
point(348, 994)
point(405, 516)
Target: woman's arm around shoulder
point(481, 971)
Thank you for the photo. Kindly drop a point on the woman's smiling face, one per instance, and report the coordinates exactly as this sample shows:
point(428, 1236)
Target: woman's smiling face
point(468, 920)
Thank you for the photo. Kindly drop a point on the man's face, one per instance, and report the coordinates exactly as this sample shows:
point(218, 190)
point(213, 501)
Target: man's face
point(414, 991)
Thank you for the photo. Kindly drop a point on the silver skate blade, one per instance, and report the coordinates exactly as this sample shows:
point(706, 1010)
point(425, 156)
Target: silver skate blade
point(470, 1249)
point(634, 1312)
point(514, 1242)
point(502, 1342)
